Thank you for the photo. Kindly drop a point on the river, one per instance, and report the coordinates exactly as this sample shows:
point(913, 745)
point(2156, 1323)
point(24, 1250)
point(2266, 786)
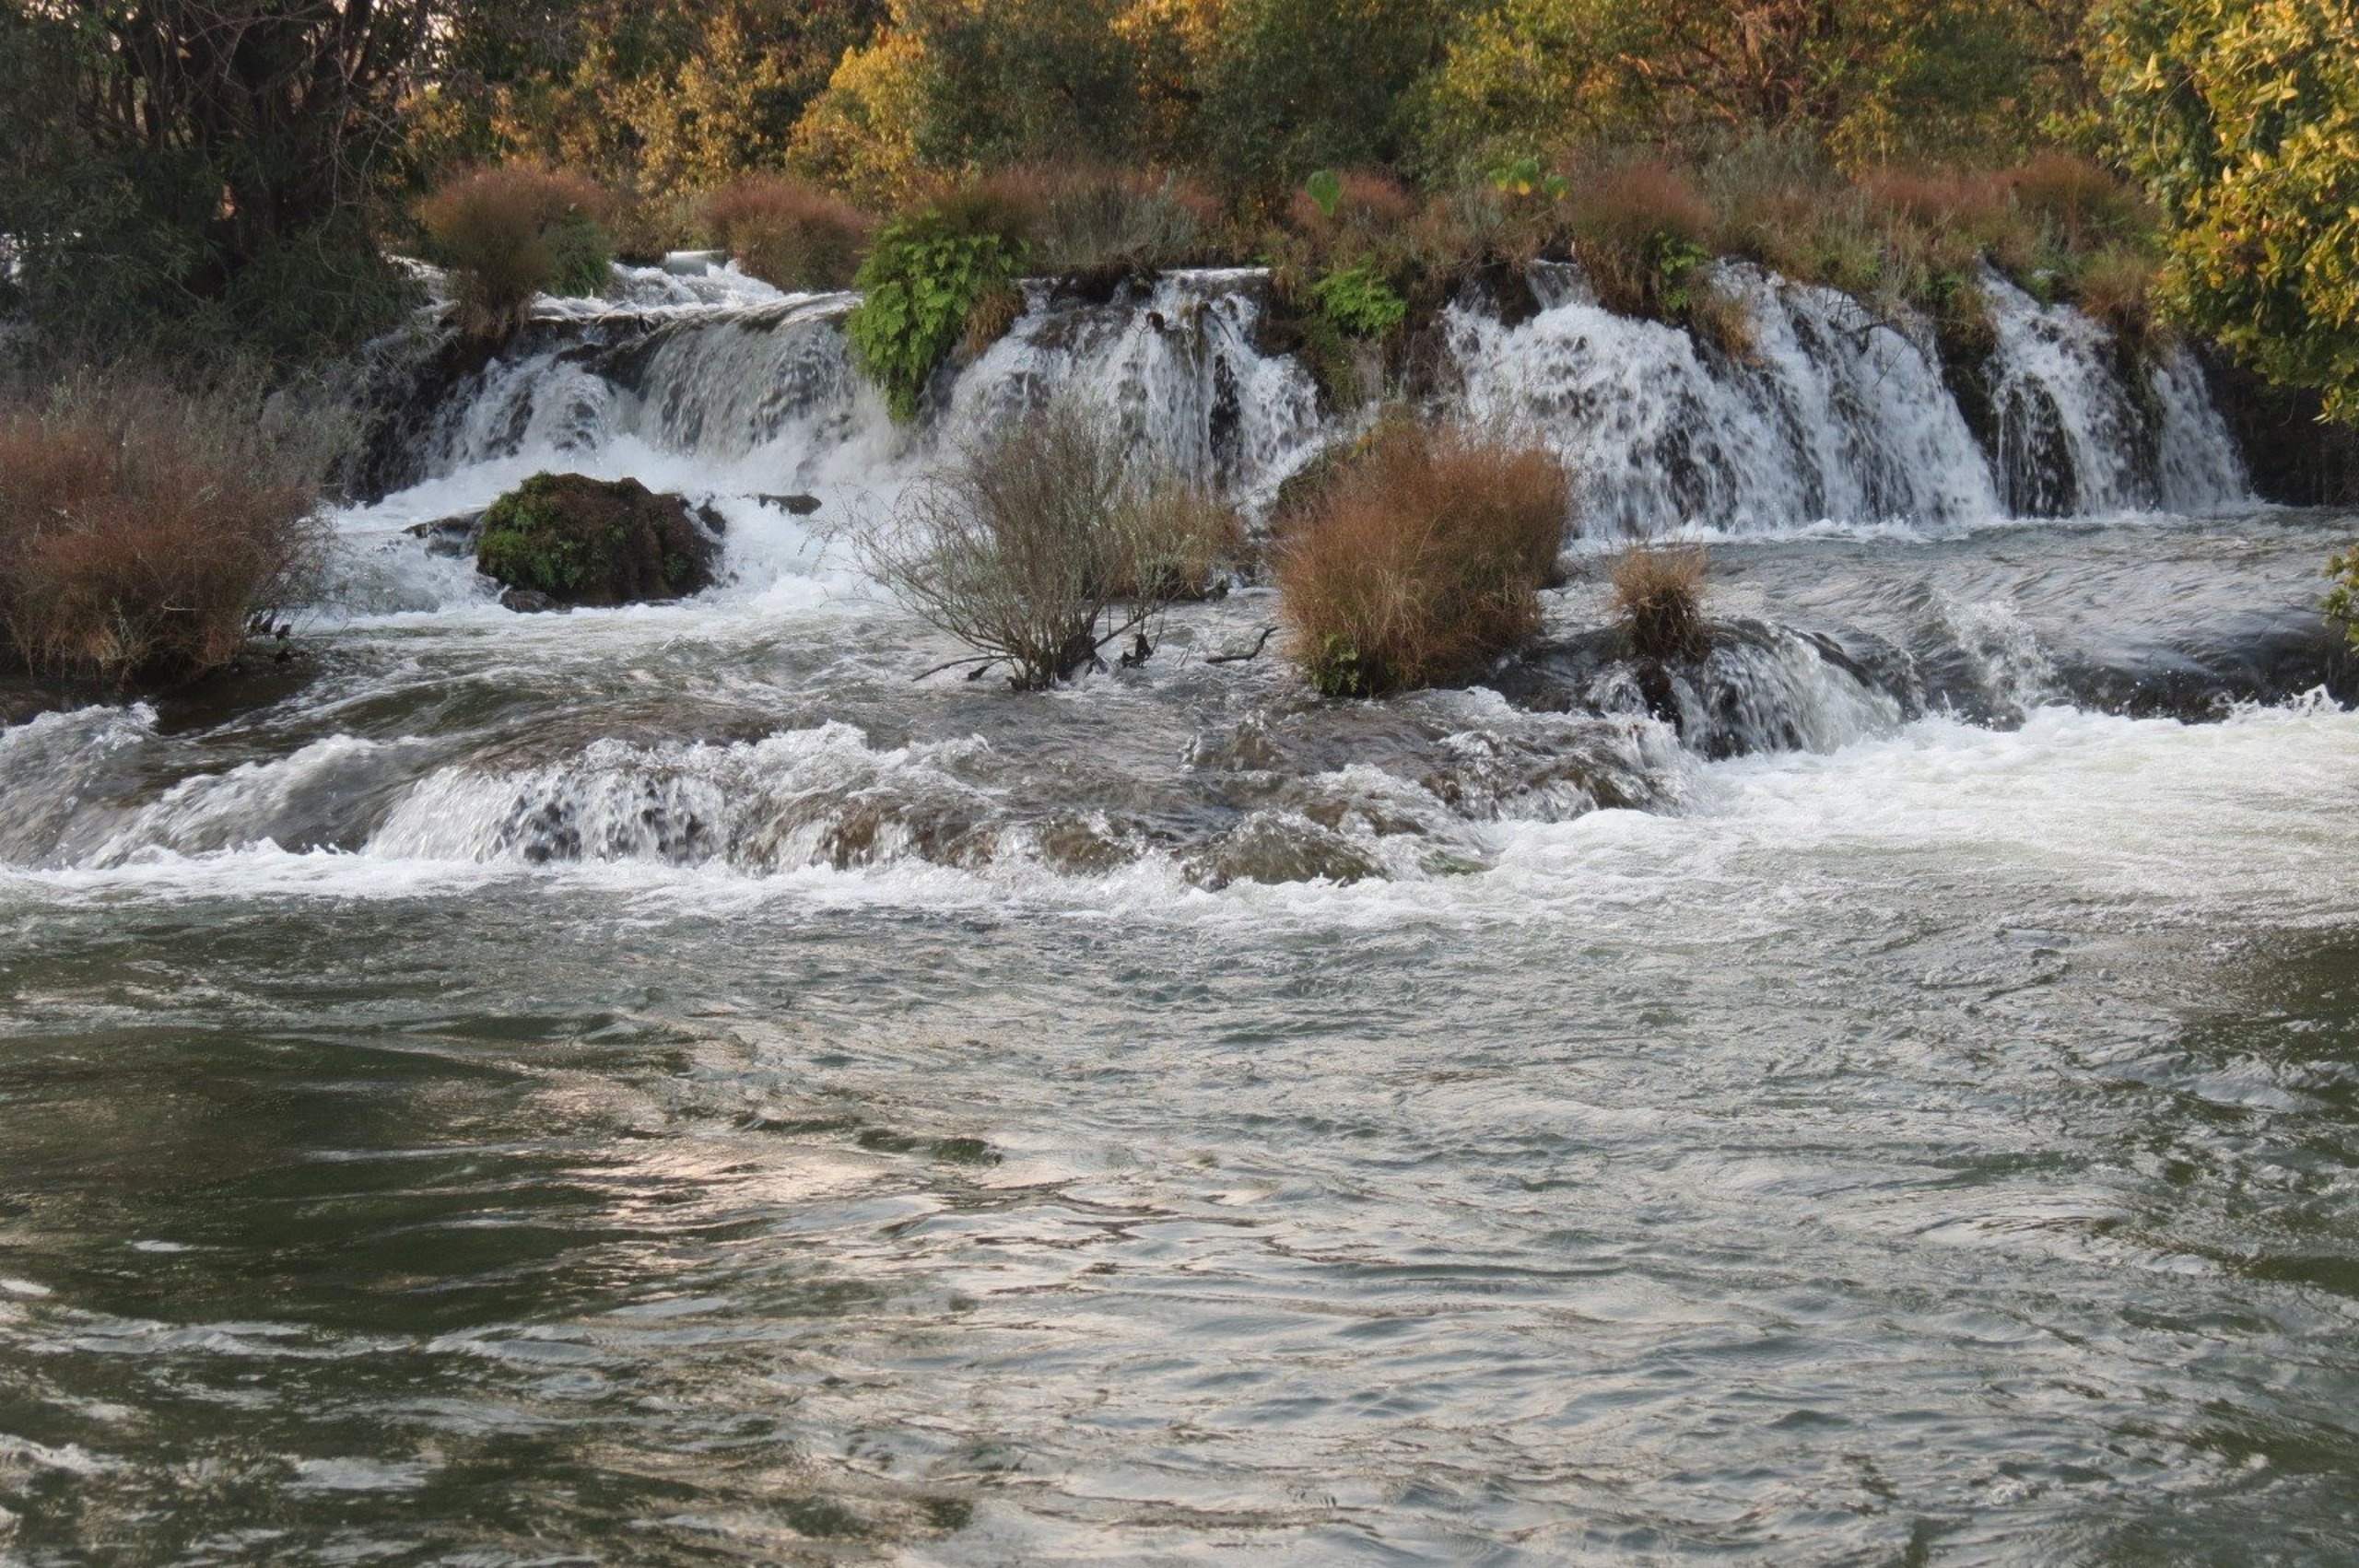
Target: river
point(661, 1085)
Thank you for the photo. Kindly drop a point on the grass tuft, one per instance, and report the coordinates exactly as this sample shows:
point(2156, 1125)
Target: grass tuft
point(1658, 595)
point(514, 232)
point(789, 234)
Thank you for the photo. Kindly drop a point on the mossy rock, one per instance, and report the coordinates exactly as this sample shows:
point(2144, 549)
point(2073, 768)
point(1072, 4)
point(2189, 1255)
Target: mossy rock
point(596, 542)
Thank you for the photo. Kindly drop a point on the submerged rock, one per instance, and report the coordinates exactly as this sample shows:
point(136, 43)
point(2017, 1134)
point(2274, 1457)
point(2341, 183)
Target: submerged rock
point(453, 536)
point(573, 540)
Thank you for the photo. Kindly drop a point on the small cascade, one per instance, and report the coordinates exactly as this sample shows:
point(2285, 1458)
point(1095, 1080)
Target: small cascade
point(1176, 368)
point(1829, 414)
point(2079, 427)
point(764, 389)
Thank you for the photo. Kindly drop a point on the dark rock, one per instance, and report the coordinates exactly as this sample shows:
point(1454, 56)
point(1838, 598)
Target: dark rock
point(453, 536)
point(2291, 457)
point(525, 602)
point(581, 540)
point(801, 506)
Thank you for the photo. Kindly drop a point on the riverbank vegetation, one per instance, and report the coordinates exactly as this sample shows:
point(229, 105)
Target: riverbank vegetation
point(150, 533)
point(1658, 592)
point(191, 181)
point(201, 170)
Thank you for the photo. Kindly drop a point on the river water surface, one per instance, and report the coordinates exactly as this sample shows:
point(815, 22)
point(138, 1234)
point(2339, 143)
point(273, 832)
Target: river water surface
point(661, 1086)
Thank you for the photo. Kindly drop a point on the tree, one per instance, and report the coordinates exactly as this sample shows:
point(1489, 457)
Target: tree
point(205, 164)
point(2242, 116)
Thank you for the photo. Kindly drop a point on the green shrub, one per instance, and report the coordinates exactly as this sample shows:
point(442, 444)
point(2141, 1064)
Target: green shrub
point(1359, 302)
point(2343, 602)
point(582, 541)
point(922, 277)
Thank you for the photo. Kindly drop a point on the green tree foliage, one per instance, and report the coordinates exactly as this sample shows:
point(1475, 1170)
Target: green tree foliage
point(670, 97)
point(2242, 117)
point(1868, 79)
point(2343, 602)
point(182, 171)
point(1295, 85)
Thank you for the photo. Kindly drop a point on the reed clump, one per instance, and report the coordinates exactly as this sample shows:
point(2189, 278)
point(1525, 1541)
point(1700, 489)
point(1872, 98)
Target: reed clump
point(789, 234)
point(1420, 559)
point(144, 530)
point(511, 233)
point(1640, 230)
point(1658, 597)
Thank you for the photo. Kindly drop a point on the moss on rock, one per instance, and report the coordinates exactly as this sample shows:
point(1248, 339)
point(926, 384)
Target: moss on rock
point(582, 541)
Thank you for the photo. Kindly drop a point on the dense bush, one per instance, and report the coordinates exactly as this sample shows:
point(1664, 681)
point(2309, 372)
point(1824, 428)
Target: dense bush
point(143, 530)
point(787, 233)
point(1096, 222)
point(924, 276)
point(188, 180)
point(1039, 542)
point(2242, 116)
point(1658, 596)
point(1420, 558)
point(512, 233)
point(2343, 602)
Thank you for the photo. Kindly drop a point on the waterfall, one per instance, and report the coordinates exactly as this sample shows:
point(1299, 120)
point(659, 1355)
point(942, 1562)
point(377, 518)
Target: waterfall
point(766, 389)
point(2081, 428)
point(1819, 411)
point(1829, 415)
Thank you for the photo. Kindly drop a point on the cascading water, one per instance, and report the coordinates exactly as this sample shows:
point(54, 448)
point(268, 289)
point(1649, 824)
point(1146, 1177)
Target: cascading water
point(1826, 413)
point(1829, 415)
point(2082, 429)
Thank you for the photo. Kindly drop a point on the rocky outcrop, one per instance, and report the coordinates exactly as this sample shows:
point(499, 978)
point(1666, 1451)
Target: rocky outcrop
point(559, 540)
point(2293, 458)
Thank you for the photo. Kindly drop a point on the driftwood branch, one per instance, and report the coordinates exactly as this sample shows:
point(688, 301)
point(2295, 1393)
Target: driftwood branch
point(976, 673)
point(1267, 633)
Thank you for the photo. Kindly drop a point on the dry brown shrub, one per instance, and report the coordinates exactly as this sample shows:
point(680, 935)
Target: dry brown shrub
point(1659, 594)
point(1962, 215)
point(1633, 225)
point(514, 231)
point(2085, 203)
point(1420, 559)
point(1190, 537)
point(1725, 321)
point(1372, 204)
point(1033, 548)
point(789, 234)
point(1098, 224)
point(143, 530)
point(989, 319)
point(2115, 285)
